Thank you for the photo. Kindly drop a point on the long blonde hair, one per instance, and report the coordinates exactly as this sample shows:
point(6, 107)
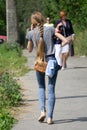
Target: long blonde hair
point(37, 20)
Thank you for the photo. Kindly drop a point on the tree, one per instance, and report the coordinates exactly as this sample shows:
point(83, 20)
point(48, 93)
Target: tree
point(11, 18)
point(77, 12)
point(2, 18)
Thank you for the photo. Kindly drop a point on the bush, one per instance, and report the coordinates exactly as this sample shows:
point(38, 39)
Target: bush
point(10, 47)
point(9, 91)
point(6, 120)
point(11, 59)
point(10, 96)
point(12, 63)
point(81, 43)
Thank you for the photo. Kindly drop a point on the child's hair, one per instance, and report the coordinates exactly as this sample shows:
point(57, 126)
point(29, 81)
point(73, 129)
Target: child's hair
point(37, 20)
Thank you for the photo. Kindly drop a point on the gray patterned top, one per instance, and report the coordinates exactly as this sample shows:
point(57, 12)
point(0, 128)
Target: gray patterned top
point(47, 36)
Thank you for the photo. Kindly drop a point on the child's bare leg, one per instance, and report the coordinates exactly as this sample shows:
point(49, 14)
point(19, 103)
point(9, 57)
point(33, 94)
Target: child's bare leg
point(64, 40)
point(69, 38)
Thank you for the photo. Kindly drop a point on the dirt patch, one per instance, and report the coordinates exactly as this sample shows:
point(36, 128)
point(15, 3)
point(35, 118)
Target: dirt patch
point(25, 105)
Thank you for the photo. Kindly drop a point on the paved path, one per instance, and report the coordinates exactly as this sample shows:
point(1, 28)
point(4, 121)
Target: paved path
point(71, 98)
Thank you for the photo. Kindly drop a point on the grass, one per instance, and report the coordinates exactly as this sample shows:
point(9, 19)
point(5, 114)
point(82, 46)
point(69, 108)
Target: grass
point(10, 96)
point(11, 60)
point(12, 63)
point(81, 43)
point(6, 120)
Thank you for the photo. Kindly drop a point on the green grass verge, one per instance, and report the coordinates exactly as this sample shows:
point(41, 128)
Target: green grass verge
point(12, 63)
point(10, 96)
point(81, 43)
point(11, 59)
point(6, 120)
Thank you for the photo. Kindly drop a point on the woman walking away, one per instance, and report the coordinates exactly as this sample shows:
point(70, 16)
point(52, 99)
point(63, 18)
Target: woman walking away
point(65, 28)
point(42, 38)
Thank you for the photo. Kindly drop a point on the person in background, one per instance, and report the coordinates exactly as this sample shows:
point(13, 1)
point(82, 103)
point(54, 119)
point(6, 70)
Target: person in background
point(64, 26)
point(57, 46)
point(59, 41)
point(42, 38)
point(48, 22)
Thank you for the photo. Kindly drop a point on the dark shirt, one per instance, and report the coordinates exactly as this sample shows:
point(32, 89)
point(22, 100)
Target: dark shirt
point(65, 30)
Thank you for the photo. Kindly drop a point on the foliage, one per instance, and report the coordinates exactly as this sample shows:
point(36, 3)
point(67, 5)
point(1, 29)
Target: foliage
point(6, 120)
point(2, 17)
point(81, 43)
point(10, 96)
point(11, 59)
point(77, 12)
point(11, 63)
point(25, 8)
point(9, 91)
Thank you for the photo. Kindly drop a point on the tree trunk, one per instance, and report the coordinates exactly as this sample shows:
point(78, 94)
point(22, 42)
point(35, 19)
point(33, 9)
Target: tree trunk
point(11, 18)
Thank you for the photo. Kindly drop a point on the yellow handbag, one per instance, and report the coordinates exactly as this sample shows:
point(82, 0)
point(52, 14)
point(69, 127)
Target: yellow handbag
point(40, 65)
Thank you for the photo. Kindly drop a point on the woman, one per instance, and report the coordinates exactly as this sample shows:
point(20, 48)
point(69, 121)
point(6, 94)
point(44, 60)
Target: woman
point(42, 38)
point(65, 28)
point(48, 22)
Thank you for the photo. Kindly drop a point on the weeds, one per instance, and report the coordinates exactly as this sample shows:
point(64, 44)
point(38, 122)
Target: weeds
point(12, 63)
point(9, 91)
point(11, 59)
point(81, 43)
point(10, 96)
point(6, 120)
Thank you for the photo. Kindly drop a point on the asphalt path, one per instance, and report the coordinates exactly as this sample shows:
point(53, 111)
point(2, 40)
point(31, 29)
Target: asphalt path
point(70, 111)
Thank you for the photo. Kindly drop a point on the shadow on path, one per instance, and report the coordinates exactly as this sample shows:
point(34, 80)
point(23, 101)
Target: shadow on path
point(81, 119)
point(57, 98)
point(77, 67)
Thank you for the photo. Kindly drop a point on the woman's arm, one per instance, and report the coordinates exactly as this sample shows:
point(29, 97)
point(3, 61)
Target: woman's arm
point(30, 44)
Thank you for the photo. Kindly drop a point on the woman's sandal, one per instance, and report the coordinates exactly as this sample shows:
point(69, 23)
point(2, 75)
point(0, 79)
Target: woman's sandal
point(49, 121)
point(42, 117)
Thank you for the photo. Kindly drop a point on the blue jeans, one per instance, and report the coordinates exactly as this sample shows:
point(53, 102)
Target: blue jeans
point(51, 92)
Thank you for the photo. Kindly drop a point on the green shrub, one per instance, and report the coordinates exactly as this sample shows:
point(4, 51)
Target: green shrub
point(6, 120)
point(10, 47)
point(9, 91)
point(12, 63)
point(10, 96)
point(81, 43)
point(11, 59)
